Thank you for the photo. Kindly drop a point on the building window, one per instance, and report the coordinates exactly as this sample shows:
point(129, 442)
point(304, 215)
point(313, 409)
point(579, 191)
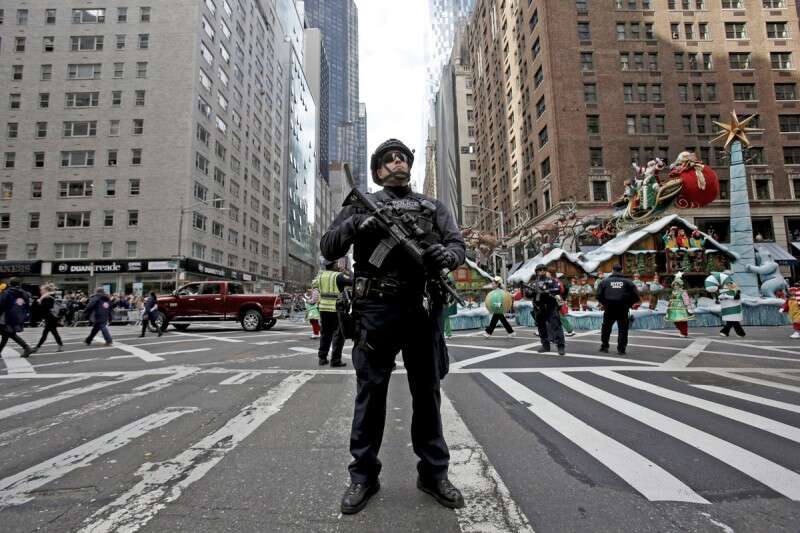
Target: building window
point(599, 191)
point(86, 43)
point(44, 100)
point(22, 17)
point(780, 60)
point(48, 44)
point(107, 249)
point(122, 15)
point(138, 126)
point(144, 41)
point(543, 137)
point(38, 159)
point(134, 187)
point(785, 91)
point(10, 159)
point(76, 100)
point(131, 248)
point(791, 155)
point(735, 30)
point(88, 71)
point(108, 218)
point(144, 14)
point(36, 190)
point(16, 72)
point(31, 250)
point(133, 218)
point(199, 221)
point(113, 128)
point(88, 16)
point(77, 158)
point(744, 91)
point(112, 158)
point(595, 157)
point(762, 187)
point(732, 4)
point(789, 123)
point(14, 101)
point(590, 93)
point(587, 61)
point(593, 124)
point(545, 168)
point(584, 32)
point(116, 98)
point(119, 70)
point(136, 156)
point(12, 130)
point(73, 219)
point(46, 72)
point(71, 250)
point(49, 16)
point(83, 128)
point(777, 30)
point(140, 98)
point(141, 69)
point(120, 42)
point(739, 60)
point(111, 188)
point(6, 190)
point(75, 189)
point(19, 44)
point(33, 220)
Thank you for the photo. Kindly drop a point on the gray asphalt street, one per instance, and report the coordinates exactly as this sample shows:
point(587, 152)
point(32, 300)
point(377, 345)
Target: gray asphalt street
point(216, 429)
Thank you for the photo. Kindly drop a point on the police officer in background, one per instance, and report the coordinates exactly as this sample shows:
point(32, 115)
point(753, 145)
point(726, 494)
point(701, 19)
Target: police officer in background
point(617, 294)
point(397, 310)
point(543, 293)
point(330, 282)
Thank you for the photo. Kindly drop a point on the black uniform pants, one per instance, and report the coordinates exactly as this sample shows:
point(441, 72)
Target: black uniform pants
point(618, 314)
point(548, 323)
point(8, 334)
point(493, 323)
point(736, 325)
point(50, 326)
point(331, 334)
point(385, 328)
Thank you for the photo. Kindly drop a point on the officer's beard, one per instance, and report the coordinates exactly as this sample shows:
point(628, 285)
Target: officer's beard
point(397, 178)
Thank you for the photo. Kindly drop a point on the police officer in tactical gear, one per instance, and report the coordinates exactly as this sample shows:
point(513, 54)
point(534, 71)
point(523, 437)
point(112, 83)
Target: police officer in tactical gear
point(397, 309)
point(617, 294)
point(543, 292)
point(330, 283)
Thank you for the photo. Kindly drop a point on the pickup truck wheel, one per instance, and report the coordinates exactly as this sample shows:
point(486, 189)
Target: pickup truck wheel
point(181, 327)
point(269, 323)
point(251, 320)
point(160, 323)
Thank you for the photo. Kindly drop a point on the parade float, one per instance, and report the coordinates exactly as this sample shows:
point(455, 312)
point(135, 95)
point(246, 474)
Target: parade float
point(654, 246)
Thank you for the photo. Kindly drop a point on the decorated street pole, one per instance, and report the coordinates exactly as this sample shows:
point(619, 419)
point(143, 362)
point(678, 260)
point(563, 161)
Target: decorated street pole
point(741, 229)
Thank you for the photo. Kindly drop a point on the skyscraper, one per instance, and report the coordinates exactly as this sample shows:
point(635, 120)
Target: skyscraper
point(444, 15)
point(338, 20)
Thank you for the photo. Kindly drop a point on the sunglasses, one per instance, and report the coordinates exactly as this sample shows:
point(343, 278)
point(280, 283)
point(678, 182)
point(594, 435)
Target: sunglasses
point(389, 157)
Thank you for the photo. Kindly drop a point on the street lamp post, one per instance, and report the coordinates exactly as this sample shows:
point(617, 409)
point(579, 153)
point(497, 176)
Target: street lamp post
point(183, 211)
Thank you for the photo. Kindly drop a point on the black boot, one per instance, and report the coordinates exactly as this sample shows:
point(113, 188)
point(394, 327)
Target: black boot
point(562, 350)
point(543, 348)
point(603, 349)
point(444, 492)
point(338, 363)
point(322, 362)
point(357, 496)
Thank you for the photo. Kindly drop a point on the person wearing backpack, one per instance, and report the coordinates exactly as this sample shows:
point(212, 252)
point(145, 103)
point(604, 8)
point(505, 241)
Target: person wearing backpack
point(15, 310)
point(45, 305)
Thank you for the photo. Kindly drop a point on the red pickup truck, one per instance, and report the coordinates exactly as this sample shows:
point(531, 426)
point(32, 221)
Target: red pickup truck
point(206, 301)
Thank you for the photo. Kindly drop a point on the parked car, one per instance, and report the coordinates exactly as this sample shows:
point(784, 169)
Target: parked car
point(218, 300)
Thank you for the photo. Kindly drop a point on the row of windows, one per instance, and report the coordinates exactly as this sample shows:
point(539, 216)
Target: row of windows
point(78, 100)
point(81, 16)
point(700, 92)
point(75, 158)
point(217, 256)
point(636, 31)
point(73, 189)
point(72, 250)
point(82, 43)
point(73, 219)
point(79, 71)
point(77, 128)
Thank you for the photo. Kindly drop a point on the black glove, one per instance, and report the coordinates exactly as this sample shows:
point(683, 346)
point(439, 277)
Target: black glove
point(366, 224)
point(436, 256)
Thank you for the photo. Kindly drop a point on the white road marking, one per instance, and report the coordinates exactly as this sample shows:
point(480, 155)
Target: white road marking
point(183, 351)
point(757, 421)
point(629, 360)
point(92, 408)
point(751, 356)
point(164, 482)
point(749, 397)
point(490, 506)
point(346, 354)
point(644, 476)
point(503, 352)
point(267, 343)
point(778, 478)
point(36, 404)
point(756, 381)
point(207, 337)
point(16, 489)
point(238, 379)
point(757, 346)
point(685, 357)
point(789, 375)
point(144, 355)
point(16, 364)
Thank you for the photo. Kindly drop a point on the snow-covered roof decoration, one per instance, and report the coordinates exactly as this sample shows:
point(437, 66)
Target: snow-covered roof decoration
point(620, 244)
point(526, 271)
point(475, 266)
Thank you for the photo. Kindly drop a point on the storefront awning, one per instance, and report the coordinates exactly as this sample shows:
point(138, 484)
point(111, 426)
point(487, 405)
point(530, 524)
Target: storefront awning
point(780, 254)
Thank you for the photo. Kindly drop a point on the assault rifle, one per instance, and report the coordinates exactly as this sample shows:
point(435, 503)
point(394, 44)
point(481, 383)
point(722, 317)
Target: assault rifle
point(539, 296)
point(405, 233)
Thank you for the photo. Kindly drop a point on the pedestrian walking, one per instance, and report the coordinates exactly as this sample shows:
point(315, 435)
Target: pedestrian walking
point(617, 294)
point(150, 314)
point(312, 312)
point(98, 312)
point(46, 304)
point(390, 317)
point(15, 310)
point(498, 302)
point(543, 293)
point(730, 302)
point(330, 282)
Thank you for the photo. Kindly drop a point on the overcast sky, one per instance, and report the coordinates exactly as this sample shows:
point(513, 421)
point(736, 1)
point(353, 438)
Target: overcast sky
point(392, 73)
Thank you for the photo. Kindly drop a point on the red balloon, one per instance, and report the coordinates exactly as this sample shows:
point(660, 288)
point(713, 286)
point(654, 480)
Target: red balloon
point(692, 195)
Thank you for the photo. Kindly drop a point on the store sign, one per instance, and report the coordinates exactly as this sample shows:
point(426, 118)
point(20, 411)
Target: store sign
point(217, 271)
point(16, 268)
point(107, 267)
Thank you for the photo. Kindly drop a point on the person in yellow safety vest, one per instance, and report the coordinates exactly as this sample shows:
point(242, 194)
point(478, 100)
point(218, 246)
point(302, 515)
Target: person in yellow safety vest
point(330, 282)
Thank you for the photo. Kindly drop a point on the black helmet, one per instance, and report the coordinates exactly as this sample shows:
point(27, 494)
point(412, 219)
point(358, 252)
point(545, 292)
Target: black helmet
point(391, 144)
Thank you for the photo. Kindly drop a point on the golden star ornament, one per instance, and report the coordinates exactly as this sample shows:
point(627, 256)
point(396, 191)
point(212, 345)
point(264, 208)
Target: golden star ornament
point(735, 130)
